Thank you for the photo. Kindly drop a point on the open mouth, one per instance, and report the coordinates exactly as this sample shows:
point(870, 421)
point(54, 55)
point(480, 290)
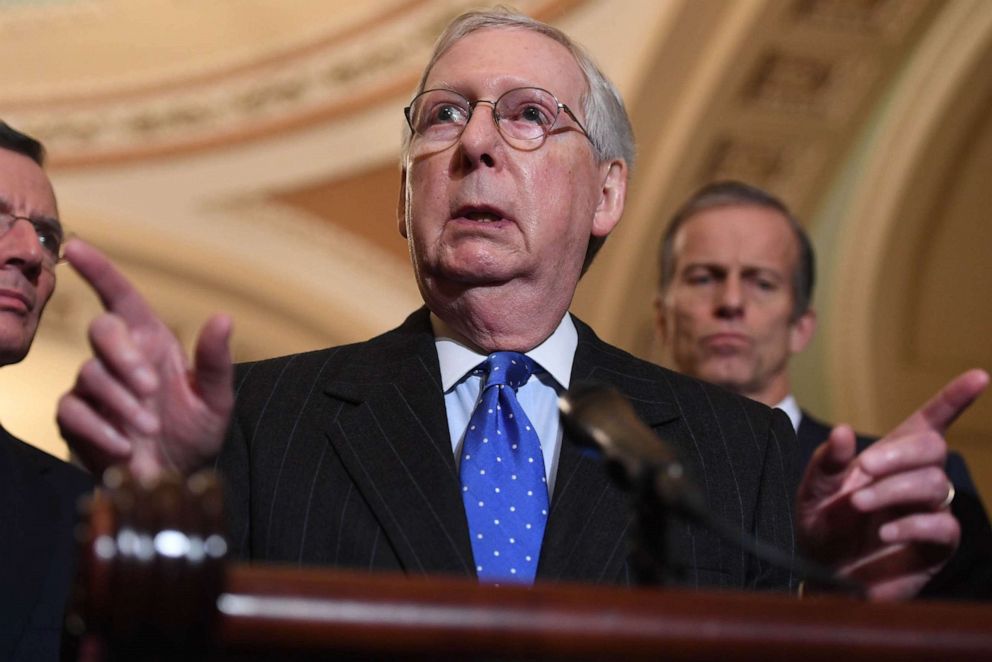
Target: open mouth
point(480, 214)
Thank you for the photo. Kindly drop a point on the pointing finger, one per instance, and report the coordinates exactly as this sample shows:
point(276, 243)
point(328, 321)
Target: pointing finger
point(115, 291)
point(943, 408)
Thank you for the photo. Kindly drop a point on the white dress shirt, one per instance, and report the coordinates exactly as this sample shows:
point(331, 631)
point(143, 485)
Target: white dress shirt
point(538, 397)
point(791, 409)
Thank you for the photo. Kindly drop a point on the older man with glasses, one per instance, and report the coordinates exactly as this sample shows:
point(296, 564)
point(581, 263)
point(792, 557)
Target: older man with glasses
point(436, 447)
point(38, 492)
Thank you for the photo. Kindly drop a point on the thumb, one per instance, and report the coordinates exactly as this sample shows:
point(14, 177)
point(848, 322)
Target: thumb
point(836, 454)
point(830, 463)
point(213, 370)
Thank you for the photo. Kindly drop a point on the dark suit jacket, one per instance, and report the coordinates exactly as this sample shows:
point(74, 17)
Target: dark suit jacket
point(343, 457)
point(38, 495)
point(969, 572)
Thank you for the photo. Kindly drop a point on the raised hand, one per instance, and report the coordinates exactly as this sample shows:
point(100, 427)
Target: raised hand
point(138, 400)
point(883, 517)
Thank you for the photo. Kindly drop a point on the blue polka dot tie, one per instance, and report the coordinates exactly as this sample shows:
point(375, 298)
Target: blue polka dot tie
point(502, 472)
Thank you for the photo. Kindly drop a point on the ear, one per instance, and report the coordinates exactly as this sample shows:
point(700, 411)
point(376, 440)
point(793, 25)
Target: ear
point(401, 204)
point(802, 331)
point(611, 198)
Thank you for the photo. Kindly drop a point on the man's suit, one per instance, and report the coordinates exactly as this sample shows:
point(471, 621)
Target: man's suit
point(38, 495)
point(969, 572)
point(343, 457)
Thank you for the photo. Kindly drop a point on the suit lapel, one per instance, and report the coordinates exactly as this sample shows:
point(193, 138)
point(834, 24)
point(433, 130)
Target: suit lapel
point(392, 435)
point(587, 527)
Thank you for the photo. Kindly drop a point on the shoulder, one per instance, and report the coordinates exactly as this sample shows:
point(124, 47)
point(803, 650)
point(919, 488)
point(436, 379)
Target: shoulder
point(412, 336)
point(37, 466)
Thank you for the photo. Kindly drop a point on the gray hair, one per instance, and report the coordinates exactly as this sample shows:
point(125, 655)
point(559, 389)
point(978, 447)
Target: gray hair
point(606, 118)
point(729, 193)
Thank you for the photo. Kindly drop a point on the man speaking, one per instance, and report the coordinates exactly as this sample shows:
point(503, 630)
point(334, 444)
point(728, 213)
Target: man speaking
point(436, 447)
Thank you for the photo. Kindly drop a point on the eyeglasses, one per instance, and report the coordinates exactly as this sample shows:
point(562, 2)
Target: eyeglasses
point(48, 231)
point(522, 115)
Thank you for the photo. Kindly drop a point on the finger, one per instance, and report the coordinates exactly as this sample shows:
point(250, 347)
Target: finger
point(940, 529)
point(114, 346)
point(98, 443)
point(115, 291)
point(213, 371)
point(924, 488)
point(834, 456)
point(943, 408)
point(115, 403)
point(905, 453)
point(829, 470)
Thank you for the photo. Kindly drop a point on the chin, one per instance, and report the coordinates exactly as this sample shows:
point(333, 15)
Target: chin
point(733, 379)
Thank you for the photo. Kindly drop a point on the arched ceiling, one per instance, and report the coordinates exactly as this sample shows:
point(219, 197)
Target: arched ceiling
point(242, 156)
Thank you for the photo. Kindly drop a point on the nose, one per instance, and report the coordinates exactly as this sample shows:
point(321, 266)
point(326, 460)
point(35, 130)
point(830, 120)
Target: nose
point(480, 138)
point(20, 248)
point(730, 299)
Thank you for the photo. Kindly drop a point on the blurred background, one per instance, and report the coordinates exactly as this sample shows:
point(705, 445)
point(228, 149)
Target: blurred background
point(242, 155)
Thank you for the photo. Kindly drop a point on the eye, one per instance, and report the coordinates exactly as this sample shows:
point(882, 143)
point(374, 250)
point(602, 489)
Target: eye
point(527, 112)
point(49, 236)
point(447, 113)
point(535, 115)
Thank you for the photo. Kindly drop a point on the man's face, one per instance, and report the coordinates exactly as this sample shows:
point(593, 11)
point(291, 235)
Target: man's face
point(725, 318)
point(25, 283)
point(483, 213)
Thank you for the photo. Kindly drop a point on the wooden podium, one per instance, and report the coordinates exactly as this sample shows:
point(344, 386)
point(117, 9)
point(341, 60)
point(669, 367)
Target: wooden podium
point(154, 584)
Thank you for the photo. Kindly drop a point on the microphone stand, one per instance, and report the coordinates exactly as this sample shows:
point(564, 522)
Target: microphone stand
point(649, 534)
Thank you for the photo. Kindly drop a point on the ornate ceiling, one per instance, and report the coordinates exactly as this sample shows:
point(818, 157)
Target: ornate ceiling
point(241, 155)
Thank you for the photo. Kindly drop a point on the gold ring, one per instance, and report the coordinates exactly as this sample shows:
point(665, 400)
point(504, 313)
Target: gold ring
point(946, 503)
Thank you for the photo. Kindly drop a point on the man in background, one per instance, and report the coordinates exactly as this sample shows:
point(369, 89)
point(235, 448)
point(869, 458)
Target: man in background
point(38, 492)
point(735, 304)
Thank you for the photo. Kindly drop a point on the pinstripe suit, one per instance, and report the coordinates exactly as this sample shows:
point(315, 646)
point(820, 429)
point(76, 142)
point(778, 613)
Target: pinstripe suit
point(342, 457)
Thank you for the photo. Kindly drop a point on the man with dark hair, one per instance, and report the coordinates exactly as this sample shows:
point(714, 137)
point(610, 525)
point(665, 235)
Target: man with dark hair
point(436, 447)
point(38, 492)
point(734, 305)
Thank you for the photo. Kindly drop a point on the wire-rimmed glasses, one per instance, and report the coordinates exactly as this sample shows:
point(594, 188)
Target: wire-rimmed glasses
point(524, 116)
point(49, 233)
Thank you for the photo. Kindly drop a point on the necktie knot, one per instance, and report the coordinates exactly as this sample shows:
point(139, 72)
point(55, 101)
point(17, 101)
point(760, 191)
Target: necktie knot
point(511, 369)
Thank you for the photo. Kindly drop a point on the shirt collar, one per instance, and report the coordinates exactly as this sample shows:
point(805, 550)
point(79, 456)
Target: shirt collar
point(791, 409)
point(554, 355)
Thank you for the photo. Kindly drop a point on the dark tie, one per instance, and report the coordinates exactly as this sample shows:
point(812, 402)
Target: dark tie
point(502, 471)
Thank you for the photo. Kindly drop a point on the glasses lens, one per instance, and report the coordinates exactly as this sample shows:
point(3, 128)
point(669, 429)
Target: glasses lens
point(50, 237)
point(527, 113)
point(439, 115)
point(49, 234)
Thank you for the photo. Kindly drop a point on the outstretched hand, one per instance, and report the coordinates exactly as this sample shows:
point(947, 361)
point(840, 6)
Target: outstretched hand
point(882, 517)
point(138, 400)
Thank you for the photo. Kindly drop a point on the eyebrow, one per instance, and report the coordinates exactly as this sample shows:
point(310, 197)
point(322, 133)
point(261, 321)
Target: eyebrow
point(746, 269)
point(8, 208)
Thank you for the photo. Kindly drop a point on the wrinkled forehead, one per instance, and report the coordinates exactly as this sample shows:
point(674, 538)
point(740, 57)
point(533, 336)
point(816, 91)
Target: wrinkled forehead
point(24, 187)
point(490, 61)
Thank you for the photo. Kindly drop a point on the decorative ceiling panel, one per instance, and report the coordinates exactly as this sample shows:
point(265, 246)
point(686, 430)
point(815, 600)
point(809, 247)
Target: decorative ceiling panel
point(111, 79)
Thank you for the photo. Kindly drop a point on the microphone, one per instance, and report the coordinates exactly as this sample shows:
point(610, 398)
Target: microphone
point(598, 417)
